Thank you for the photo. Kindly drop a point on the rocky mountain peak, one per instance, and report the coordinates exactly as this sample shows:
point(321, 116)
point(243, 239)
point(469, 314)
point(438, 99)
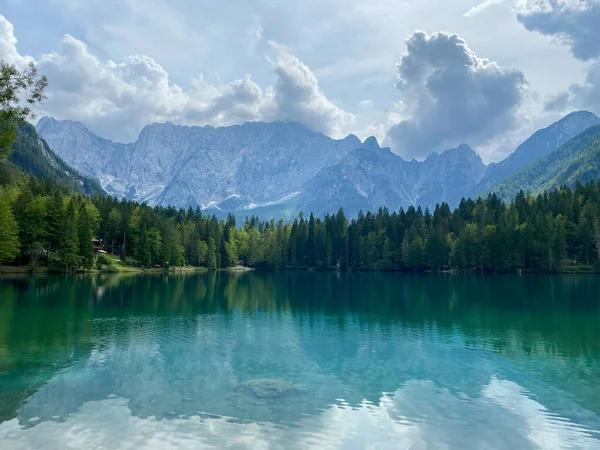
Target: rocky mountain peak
point(371, 143)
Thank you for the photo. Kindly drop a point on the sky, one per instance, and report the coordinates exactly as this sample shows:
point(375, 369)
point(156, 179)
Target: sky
point(421, 76)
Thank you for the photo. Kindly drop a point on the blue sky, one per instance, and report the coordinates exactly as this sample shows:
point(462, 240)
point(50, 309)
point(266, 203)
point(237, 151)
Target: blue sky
point(422, 75)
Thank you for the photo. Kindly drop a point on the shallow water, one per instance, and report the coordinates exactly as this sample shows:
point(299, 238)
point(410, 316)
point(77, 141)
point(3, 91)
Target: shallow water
point(300, 360)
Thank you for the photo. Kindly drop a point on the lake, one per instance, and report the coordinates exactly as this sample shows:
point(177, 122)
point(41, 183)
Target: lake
point(300, 360)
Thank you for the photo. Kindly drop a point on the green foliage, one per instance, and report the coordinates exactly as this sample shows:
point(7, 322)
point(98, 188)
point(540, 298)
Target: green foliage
point(231, 254)
point(554, 231)
point(9, 232)
point(142, 248)
point(85, 236)
point(15, 85)
point(31, 213)
point(578, 160)
point(106, 264)
point(67, 254)
point(211, 257)
point(32, 155)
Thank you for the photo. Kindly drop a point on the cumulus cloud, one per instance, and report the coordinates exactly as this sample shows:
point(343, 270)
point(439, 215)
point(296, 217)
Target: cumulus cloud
point(8, 45)
point(451, 96)
point(574, 22)
point(297, 97)
point(117, 99)
point(579, 96)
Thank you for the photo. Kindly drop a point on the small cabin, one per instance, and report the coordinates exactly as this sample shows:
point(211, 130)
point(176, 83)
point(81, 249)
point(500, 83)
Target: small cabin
point(98, 247)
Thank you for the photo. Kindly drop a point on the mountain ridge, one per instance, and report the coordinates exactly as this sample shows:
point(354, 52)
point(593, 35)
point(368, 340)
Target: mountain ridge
point(32, 155)
point(538, 145)
point(285, 167)
point(578, 159)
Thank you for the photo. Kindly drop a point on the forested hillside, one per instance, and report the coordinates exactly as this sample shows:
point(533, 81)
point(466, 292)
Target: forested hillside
point(42, 223)
point(578, 160)
point(32, 155)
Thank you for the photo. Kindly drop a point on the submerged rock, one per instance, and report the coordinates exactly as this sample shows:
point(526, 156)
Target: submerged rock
point(269, 388)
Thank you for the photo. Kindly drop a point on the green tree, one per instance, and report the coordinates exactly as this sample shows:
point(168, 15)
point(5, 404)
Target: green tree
point(33, 234)
point(9, 232)
point(211, 254)
point(558, 246)
point(113, 228)
point(173, 253)
point(202, 252)
point(231, 250)
point(437, 250)
point(253, 247)
point(155, 245)
point(15, 85)
point(85, 235)
point(68, 249)
point(142, 247)
point(55, 219)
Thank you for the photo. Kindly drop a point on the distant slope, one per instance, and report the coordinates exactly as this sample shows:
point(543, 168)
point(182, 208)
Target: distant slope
point(540, 144)
point(576, 160)
point(369, 178)
point(32, 155)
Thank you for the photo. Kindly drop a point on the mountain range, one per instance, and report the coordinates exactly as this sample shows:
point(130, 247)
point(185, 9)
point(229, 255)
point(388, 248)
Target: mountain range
point(279, 169)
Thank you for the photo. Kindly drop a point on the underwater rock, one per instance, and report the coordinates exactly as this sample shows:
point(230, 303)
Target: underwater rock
point(269, 388)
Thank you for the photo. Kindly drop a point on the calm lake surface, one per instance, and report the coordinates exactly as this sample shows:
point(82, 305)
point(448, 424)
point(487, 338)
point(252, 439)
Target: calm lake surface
point(300, 360)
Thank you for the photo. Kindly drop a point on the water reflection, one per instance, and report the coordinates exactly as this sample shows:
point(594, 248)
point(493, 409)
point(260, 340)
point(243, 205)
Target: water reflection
point(418, 358)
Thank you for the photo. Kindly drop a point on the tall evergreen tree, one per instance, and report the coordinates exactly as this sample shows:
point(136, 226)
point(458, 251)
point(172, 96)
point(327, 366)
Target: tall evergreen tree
point(9, 232)
point(68, 248)
point(85, 235)
point(142, 247)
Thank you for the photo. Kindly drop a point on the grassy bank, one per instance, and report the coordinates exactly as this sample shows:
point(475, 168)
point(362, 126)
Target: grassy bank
point(104, 264)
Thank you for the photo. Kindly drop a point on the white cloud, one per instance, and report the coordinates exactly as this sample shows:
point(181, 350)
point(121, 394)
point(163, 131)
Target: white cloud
point(297, 97)
point(482, 7)
point(117, 99)
point(374, 129)
point(254, 36)
point(8, 44)
point(366, 104)
point(573, 22)
point(451, 96)
point(584, 95)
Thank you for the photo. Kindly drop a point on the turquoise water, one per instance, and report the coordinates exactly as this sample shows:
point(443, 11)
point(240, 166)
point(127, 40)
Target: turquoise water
point(300, 360)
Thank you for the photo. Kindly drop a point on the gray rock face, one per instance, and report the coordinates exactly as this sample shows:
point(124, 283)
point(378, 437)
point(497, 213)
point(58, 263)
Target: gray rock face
point(278, 169)
point(258, 163)
point(367, 179)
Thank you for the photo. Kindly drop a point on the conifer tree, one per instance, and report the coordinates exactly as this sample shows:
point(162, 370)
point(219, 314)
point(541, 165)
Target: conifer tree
point(142, 247)
point(85, 235)
point(68, 248)
point(9, 233)
point(211, 257)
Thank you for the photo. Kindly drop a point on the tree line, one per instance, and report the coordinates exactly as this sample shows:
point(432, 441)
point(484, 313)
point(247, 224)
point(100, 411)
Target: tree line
point(42, 223)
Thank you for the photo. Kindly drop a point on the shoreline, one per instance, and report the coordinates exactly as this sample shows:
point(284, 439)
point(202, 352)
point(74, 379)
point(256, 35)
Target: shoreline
point(7, 270)
point(122, 270)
